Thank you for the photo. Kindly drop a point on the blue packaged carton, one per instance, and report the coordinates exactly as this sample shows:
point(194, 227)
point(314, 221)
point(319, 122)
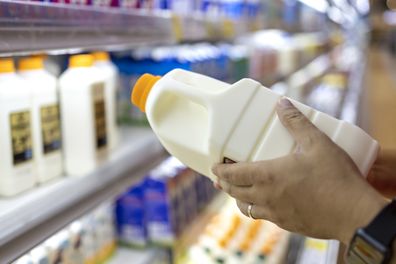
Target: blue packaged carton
point(130, 212)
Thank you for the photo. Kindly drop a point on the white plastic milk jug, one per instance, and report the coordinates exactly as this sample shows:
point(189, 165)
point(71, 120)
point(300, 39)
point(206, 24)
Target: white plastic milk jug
point(16, 149)
point(110, 73)
point(83, 113)
point(45, 118)
point(203, 121)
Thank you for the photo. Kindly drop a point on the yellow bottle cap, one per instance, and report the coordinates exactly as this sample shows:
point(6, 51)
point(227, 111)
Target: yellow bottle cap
point(142, 89)
point(7, 65)
point(82, 60)
point(336, 79)
point(101, 56)
point(31, 63)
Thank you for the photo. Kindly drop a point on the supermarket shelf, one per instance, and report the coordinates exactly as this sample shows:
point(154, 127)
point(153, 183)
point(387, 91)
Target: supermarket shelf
point(30, 218)
point(350, 108)
point(29, 27)
point(144, 256)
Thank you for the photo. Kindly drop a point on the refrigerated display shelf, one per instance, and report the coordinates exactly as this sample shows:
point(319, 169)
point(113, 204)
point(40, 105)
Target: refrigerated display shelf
point(350, 108)
point(32, 217)
point(312, 70)
point(31, 27)
point(294, 84)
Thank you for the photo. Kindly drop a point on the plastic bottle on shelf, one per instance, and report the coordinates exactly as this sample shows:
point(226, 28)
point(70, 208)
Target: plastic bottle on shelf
point(203, 121)
point(83, 112)
point(16, 163)
point(110, 73)
point(76, 237)
point(45, 118)
point(58, 248)
point(39, 255)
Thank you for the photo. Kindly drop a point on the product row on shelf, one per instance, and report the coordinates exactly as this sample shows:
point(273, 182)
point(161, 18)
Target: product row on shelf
point(234, 9)
point(40, 137)
point(231, 237)
point(154, 211)
point(291, 13)
point(226, 8)
point(32, 26)
point(252, 57)
point(90, 239)
point(160, 207)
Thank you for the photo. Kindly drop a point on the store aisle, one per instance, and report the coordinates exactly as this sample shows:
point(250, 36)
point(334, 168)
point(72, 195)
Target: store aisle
point(378, 111)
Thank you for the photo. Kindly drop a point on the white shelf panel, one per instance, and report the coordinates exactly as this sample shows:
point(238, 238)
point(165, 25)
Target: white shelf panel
point(31, 27)
point(28, 219)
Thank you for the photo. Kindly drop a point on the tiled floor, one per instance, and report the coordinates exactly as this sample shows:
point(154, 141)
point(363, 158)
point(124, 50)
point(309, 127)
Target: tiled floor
point(378, 108)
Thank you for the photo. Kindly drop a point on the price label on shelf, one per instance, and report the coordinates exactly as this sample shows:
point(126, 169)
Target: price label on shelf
point(177, 28)
point(210, 29)
point(228, 28)
point(314, 252)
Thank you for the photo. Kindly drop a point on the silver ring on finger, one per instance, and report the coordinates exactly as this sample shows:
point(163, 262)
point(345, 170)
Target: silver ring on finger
point(249, 211)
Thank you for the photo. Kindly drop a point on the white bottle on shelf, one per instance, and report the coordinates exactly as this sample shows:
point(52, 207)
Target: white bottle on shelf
point(16, 152)
point(39, 255)
point(203, 121)
point(45, 118)
point(110, 73)
point(82, 97)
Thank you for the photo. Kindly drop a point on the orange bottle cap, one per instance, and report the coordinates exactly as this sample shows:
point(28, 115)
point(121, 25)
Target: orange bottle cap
point(101, 56)
point(142, 89)
point(7, 65)
point(31, 63)
point(223, 242)
point(82, 60)
point(244, 246)
point(267, 249)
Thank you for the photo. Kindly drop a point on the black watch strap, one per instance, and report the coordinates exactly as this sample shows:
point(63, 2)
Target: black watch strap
point(383, 227)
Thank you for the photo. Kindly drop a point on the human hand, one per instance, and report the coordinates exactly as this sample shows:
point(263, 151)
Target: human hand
point(317, 191)
point(383, 173)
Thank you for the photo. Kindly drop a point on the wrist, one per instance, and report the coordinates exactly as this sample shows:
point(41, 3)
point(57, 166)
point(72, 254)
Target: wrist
point(362, 213)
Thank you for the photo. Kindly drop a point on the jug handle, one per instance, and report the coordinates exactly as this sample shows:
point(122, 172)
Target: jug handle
point(191, 92)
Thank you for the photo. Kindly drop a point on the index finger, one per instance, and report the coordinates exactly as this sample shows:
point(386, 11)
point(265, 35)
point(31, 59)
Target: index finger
point(239, 174)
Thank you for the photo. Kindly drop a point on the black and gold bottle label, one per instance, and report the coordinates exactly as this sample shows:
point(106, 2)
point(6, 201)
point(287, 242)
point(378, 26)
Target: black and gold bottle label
point(21, 136)
point(50, 128)
point(99, 115)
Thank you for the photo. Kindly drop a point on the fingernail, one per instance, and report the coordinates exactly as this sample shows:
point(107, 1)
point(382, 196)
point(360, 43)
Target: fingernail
point(217, 186)
point(284, 103)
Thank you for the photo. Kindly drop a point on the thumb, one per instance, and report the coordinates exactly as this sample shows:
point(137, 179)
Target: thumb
point(298, 125)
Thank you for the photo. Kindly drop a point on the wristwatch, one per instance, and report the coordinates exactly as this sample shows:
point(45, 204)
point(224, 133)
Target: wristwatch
point(373, 244)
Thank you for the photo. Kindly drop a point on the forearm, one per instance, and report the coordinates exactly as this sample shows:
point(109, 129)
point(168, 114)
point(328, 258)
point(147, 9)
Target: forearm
point(383, 173)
